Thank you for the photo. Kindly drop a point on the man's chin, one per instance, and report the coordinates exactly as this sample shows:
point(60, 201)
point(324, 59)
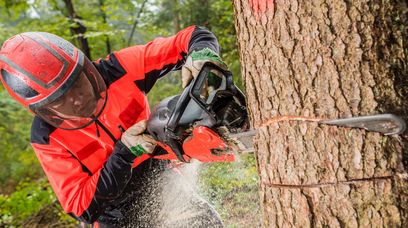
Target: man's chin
point(87, 113)
point(80, 116)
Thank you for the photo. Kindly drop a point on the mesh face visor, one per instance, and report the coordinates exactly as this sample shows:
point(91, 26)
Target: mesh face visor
point(78, 102)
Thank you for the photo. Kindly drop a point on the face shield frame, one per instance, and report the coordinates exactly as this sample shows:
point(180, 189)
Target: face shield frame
point(66, 117)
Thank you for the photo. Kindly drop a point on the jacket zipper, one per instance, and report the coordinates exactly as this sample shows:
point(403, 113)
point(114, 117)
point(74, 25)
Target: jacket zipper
point(106, 130)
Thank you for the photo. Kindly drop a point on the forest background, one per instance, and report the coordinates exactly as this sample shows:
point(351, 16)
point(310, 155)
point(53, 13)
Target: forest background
point(100, 27)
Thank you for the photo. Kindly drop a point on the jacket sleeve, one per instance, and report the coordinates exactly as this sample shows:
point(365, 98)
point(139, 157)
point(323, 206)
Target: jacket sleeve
point(81, 193)
point(162, 55)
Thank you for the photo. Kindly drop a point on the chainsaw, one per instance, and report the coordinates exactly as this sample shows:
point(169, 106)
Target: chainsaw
point(209, 121)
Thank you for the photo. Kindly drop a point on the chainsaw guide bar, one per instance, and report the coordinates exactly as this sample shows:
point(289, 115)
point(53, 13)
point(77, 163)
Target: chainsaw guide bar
point(387, 124)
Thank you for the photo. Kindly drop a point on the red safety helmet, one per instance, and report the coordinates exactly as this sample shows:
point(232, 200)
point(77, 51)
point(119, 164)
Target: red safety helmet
point(52, 78)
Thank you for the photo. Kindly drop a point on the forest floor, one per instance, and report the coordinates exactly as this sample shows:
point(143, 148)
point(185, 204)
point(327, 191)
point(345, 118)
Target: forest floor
point(233, 189)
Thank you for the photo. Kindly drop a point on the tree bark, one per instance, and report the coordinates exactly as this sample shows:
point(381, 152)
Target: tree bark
point(326, 59)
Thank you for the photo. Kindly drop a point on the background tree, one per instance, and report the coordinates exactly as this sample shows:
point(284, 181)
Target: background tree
point(326, 59)
point(78, 29)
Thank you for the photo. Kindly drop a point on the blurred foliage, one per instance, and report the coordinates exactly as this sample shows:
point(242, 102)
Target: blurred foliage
point(26, 198)
point(17, 159)
point(30, 198)
point(233, 189)
point(216, 15)
point(165, 87)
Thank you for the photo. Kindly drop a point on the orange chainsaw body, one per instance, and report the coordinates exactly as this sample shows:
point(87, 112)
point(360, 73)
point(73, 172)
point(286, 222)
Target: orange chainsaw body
point(204, 145)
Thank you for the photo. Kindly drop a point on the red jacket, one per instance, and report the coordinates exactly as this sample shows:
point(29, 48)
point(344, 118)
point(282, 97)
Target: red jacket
point(89, 167)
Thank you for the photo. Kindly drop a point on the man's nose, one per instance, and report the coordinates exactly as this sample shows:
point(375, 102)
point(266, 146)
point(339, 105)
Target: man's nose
point(77, 101)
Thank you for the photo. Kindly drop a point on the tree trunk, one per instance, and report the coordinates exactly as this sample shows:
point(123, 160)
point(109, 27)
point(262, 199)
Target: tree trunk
point(326, 59)
point(135, 22)
point(78, 29)
point(176, 15)
point(105, 22)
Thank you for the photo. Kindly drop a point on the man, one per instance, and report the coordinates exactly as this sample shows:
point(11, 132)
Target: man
point(88, 130)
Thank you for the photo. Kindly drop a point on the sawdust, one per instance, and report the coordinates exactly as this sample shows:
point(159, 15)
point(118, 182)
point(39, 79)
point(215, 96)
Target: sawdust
point(183, 206)
point(170, 199)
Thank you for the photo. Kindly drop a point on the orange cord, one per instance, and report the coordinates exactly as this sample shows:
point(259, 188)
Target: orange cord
point(290, 118)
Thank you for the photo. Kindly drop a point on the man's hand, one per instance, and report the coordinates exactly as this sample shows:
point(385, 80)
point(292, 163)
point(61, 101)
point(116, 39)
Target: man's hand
point(136, 141)
point(195, 62)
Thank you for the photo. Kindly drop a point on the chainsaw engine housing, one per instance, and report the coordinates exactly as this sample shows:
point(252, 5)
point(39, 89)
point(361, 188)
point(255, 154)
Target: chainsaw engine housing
point(174, 118)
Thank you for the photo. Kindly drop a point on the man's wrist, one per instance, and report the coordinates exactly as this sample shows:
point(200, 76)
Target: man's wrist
point(137, 150)
point(124, 151)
